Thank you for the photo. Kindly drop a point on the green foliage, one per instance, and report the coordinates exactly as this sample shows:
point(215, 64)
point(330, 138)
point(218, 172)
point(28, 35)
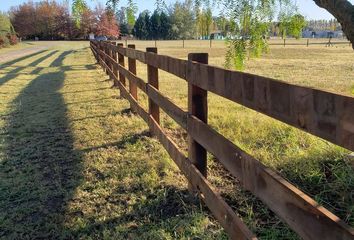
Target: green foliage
point(291, 25)
point(141, 27)
point(5, 24)
point(7, 32)
point(78, 8)
point(248, 36)
point(157, 26)
point(236, 53)
point(297, 23)
point(132, 9)
point(183, 20)
point(204, 21)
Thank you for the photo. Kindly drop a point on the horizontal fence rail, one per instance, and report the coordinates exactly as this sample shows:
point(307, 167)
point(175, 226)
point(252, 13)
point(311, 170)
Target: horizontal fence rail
point(323, 114)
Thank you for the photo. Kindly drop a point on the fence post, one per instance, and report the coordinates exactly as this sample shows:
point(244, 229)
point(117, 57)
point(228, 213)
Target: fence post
point(197, 106)
point(126, 42)
point(284, 42)
point(307, 43)
point(103, 56)
point(106, 51)
point(210, 43)
point(183, 43)
point(121, 63)
point(132, 68)
point(153, 80)
point(110, 51)
point(115, 71)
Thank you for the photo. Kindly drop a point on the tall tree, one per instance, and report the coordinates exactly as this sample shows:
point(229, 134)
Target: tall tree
point(106, 23)
point(165, 26)
point(141, 27)
point(183, 20)
point(155, 25)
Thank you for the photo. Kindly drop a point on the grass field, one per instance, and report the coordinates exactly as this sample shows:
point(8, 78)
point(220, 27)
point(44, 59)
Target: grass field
point(76, 163)
point(19, 46)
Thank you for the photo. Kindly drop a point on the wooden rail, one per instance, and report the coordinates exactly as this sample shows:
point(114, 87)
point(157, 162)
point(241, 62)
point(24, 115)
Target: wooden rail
point(323, 114)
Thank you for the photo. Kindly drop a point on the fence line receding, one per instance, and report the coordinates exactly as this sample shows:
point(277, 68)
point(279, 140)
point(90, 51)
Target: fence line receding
point(323, 114)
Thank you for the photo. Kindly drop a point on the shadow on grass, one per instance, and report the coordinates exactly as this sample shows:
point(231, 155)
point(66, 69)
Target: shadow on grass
point(40, 169)
point(15, 72)
point(12, 62)
point(165, 211)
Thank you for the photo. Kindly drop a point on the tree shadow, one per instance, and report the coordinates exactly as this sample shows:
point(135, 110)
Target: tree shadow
point(12, 62)
point(59, 61)
point(40, 169)
point(15, 72)
point(165, 208)
point(41, 59)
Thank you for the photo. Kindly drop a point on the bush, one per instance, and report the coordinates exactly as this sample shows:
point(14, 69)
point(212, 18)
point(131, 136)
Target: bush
point(4, 41)
point(13, 39)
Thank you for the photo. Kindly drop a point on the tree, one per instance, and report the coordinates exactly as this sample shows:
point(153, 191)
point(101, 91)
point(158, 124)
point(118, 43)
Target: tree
point(7, 32)
point(141, 27)
point(106, 23)
point(131, 11)
point(155, 25)
point(45, 19)
point(182, 20)
point(297, 23)
point(204, 22)
point(165, 26)
point(342, 10)
point(23, 18)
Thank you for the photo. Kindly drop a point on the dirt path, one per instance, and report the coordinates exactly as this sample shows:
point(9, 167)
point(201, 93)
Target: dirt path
point(9, 56)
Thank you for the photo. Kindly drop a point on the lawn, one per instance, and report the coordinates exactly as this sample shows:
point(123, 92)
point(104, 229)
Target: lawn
point(76, 163)
point(19, 46)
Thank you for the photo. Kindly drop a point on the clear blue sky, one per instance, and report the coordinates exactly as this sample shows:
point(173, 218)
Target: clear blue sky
point(306, 7)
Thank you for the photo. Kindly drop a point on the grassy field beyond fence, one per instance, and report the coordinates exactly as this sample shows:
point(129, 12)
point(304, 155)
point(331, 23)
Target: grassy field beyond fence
point(76, 163)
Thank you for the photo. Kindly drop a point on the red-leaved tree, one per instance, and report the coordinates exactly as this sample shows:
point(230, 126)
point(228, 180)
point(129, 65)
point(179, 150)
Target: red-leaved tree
point(106, 23)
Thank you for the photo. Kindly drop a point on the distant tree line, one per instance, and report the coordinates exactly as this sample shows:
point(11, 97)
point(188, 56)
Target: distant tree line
point(50, 20)
point(318, 25)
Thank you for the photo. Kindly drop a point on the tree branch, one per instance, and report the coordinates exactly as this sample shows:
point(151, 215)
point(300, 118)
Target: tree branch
point(343, 11)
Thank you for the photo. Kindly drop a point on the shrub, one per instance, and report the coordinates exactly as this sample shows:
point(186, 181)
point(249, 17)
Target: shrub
point(13, 39)
point(4, 41)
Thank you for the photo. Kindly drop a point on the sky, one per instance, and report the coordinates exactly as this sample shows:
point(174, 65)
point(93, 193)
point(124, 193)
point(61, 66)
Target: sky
point(306, 7)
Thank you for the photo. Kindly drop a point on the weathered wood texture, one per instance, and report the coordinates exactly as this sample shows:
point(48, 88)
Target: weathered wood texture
point(324, 114)
point(153, 80)
point(197, 106)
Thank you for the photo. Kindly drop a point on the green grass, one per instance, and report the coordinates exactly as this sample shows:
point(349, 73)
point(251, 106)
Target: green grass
point(19, 46)
point(76, 163)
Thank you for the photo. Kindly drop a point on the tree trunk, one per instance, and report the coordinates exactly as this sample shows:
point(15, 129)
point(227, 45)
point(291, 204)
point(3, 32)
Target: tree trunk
point(343, 11)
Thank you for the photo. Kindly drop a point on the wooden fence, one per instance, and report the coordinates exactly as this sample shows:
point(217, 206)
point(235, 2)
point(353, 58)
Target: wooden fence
point(323, 114)
point(212, 43)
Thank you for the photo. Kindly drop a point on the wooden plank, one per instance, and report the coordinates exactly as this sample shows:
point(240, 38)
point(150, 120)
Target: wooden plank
point(135, 54)
point(197, 106)
point(222, 212)
point(133, 78)
point(168, 106)
point(171, 65)
point(299, 211)
point(323, 114)
point(153, 80)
